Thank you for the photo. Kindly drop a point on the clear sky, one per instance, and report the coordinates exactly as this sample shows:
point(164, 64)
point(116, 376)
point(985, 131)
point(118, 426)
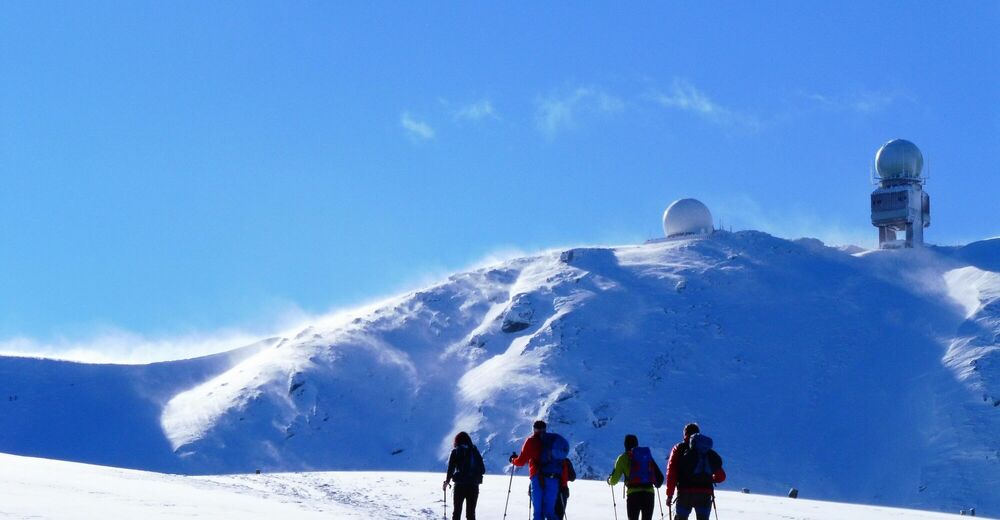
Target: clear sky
point(202, 172)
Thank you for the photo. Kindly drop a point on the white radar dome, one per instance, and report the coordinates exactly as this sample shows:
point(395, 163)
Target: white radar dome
point(899, 159)
point(687, 217)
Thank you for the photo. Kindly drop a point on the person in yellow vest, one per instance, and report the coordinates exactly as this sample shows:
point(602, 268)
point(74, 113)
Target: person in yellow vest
point(639, 471)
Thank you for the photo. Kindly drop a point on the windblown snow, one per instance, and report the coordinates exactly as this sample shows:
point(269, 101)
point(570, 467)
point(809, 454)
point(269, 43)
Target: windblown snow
point(870, 377)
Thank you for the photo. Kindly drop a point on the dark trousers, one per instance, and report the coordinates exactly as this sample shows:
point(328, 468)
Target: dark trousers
point(561, 501)
point(468, 493)
point(640, 502)
point(700, 502)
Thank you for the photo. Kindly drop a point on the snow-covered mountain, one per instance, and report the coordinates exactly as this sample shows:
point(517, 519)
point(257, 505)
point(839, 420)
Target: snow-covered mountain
point(854, 376)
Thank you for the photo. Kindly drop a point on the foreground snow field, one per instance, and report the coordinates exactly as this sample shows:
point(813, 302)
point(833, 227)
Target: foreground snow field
point(48, 489)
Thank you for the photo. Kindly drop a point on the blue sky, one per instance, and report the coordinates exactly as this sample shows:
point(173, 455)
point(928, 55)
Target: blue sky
point(199, 173)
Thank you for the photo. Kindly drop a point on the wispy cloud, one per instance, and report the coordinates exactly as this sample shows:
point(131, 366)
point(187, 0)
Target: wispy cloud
point(746, 213)
point(686, 97)
point(478, 111)
point(863, 102)
point(415, 128)
point(120, 346)
point(558, 112)
point(109, 344)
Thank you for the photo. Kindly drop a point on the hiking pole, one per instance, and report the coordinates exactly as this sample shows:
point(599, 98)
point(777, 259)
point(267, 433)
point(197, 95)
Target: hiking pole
point(444, 515)
point(714, 507)
point(659, 501)
point(529, 502)
point(513, 468)
point(563, 500)
point(613, 503)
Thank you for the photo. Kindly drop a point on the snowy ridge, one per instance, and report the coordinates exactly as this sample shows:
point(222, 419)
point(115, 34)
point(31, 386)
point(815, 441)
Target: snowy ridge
point(869, 377)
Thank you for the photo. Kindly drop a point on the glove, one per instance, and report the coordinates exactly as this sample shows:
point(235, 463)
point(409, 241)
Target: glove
point(444, 486)
point(512, 457)
point(670, 499)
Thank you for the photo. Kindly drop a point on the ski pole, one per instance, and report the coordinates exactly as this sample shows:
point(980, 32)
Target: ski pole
point(563, 500)
point(513, 468)
point(613, 503)
point(670, 507)
point(658, 501)
point(444, 515)
point(529, 500)
point(714, 507)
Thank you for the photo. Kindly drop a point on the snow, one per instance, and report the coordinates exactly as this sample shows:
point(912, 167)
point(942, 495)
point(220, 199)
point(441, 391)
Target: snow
point(189, 414)
point(970, 287)
point(45, 489)
point(869, 377)
point(38, 488)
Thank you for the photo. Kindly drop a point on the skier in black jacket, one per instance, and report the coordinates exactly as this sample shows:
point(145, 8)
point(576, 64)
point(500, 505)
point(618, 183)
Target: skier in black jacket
point(465, 469)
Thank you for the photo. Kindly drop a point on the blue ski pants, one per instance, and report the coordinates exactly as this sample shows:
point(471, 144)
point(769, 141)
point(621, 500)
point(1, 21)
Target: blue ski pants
point(702, 505)
point(544, 493)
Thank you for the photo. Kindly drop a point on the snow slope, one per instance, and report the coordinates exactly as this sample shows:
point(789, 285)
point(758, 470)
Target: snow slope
point(870, 377)
point(54, 490)
point(108, 414)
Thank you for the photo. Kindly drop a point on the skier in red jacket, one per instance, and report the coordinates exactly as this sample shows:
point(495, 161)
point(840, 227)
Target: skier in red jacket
point(531, 451)
point(544, 482)
point(693, 469)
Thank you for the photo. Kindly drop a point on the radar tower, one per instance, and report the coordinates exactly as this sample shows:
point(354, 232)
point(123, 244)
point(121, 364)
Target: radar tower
point(899, 203)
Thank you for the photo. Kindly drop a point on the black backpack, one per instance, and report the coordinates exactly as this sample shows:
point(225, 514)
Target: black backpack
point(469, 468)
point(698, 462)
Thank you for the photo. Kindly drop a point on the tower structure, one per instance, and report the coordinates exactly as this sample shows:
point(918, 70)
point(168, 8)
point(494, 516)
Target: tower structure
point(899, 203)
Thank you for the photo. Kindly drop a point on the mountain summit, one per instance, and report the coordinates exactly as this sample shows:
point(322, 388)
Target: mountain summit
point(854, 376)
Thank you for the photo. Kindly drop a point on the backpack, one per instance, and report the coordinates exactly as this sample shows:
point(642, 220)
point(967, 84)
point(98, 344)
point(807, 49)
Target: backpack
point(570, 471)
point(640, 471)
point(469, 468)
point(700, 462)
point(555, 449)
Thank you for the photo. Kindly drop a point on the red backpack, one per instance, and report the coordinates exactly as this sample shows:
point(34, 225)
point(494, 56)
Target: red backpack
point(643, 471)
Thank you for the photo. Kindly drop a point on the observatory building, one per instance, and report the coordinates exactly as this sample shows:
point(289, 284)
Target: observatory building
point(900, 204)
point(687, 217)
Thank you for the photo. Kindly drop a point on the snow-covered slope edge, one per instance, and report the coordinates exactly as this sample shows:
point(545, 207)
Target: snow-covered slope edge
point(101, 413)
point(53, 490)
point(847, 376)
